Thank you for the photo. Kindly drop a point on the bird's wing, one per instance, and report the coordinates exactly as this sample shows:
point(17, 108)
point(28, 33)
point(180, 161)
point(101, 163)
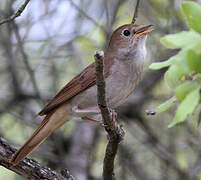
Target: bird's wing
point(82, 81)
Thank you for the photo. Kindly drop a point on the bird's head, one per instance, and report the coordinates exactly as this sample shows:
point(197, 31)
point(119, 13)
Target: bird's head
point(128, 42)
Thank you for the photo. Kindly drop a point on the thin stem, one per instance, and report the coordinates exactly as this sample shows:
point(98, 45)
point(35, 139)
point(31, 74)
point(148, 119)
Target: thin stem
point(135, 12)
point(16, 14)
point(114, 130)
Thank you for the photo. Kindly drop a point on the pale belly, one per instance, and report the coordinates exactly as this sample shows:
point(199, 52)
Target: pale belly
point(119, 85)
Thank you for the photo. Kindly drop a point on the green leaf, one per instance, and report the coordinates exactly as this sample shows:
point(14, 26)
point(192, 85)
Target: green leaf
point(174, 74)
point(162, 107)
point(197, 47)
point(160, 65)
point(177, 58)
point(183, 39)
point(197, 77)
point(194, 61)
point(186, 107)
point(182, 90)
point(192, 11)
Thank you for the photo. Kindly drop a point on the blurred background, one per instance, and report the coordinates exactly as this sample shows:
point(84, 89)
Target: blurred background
point(52, 42)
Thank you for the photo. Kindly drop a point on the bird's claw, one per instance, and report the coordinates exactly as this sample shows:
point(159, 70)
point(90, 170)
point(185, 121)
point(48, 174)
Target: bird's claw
point(113, 115)
point(123, 132)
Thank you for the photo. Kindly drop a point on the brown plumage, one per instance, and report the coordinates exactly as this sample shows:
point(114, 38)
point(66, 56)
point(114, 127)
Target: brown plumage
point(82, 81)
point(123, 64)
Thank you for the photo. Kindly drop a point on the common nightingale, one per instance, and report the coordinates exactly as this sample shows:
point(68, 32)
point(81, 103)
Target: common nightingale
point(123, 65)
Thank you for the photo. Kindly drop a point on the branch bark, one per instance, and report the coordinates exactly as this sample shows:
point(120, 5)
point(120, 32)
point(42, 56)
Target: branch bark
point(16, 14)
point(87, 16)
point(29, 168)
point(135, 12)
point(25, 59)
point(78, 159)
point(114, 130)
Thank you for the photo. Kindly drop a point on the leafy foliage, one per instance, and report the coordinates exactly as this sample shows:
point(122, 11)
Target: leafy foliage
point(183, 74)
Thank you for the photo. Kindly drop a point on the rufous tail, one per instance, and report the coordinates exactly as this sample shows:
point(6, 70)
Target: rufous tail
point(48, 125)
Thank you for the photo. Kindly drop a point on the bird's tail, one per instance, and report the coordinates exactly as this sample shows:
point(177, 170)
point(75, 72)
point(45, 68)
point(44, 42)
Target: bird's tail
point(51, 122)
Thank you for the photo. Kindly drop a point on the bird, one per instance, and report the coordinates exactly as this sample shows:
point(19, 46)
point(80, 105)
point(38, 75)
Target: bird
point(123, 65)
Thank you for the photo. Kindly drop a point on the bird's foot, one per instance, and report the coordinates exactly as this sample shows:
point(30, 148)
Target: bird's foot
point(113, 115)
point(123, 132)
point(94, 120)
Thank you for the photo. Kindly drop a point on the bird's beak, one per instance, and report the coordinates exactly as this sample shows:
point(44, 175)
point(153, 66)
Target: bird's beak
point(144, 30)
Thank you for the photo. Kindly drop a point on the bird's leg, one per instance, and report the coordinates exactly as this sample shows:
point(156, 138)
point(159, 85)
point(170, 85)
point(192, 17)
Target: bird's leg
point(113, 115)
point(85, 112)
point(93, 120)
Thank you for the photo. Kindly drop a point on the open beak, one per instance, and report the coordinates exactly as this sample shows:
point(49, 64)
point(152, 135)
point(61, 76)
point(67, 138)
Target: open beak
point(144, 30)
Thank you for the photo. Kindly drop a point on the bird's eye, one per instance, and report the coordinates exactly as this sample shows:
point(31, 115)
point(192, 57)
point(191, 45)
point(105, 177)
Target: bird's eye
point(126, 32)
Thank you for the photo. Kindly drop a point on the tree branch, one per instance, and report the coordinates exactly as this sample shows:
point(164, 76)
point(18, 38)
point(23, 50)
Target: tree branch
point(159, 149)
point(17, 13)
point(25, 59)
point(29, 168)
point(87, 16)
point(114, 130)
point(135, 12)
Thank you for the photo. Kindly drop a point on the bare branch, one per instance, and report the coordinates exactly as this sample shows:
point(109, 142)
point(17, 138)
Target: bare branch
point(135, 12)
point(87, 16)
point(114, 130)
point(25, 58)
point(78, 159)
point(29, 168)
point(17, 13)
point(159, 149)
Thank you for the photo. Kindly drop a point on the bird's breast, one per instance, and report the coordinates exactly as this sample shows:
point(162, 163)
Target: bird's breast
point(123, 79)
point(121, 82)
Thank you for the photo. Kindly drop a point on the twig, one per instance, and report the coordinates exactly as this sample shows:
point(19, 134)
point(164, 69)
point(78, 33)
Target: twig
point(29, 168)
point(16, 14)
point(87, 16)
point(128, 158)
point(135, 12)
point(159, 149)
point(25, 58)
point(114, 130)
